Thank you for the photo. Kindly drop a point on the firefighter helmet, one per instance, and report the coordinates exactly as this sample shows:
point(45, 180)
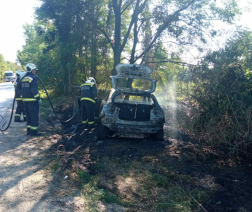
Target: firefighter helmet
point(18, 73)
point(30, 67)
point(91, 79)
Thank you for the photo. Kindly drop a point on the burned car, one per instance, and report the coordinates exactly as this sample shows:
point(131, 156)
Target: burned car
point(131, 108)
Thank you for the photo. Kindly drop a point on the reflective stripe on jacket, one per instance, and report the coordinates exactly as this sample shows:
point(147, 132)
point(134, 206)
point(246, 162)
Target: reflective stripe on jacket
point(29, 88)
point(88, 92)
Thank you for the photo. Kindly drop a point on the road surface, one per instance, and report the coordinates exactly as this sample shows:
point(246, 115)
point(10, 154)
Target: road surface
point(6, 97)
point(26, 184)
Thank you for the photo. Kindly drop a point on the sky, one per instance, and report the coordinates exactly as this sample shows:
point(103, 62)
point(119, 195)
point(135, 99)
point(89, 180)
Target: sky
point(15, 13)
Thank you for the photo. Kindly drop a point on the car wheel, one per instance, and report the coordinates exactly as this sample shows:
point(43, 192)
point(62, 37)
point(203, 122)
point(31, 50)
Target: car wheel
point(111, 133)
point(103, 132)
point(160, 135)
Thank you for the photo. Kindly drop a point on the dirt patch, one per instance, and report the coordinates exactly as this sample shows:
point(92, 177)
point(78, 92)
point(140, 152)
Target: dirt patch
point(27, 181)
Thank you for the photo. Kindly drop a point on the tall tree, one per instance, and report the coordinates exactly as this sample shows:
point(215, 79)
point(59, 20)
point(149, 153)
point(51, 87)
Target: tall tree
point(2, 67)
point(64, 14)
point(41, 48)
point(131, 28)
point(186, 21)
point(77, 37)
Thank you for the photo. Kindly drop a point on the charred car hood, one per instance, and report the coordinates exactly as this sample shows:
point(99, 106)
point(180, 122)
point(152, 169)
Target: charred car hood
point(131, 72)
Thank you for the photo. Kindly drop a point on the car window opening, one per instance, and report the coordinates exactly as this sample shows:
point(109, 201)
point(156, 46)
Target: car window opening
point(134, 84)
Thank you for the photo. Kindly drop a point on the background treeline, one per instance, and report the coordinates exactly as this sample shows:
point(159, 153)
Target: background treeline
point(7, 66)
point(74, 39)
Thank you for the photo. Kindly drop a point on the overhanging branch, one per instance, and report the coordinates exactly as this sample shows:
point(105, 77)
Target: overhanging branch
point(138, 9)
point(175, 62)
point(162, 27)
point(101, 30)
point(126, 6)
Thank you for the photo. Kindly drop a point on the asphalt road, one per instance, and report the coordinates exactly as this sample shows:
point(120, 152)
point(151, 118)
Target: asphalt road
point(6, 97)
point(26, 182)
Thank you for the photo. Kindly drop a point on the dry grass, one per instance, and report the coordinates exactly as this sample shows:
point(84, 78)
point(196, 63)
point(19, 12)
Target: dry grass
point(145, 185)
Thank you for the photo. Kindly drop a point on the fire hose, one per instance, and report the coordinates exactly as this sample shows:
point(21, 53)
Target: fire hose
point(61, 121)
point(13, 105)
point(4, 120)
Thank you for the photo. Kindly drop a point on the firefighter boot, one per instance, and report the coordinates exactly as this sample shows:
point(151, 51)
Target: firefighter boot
point(80, 128)
point(17, 118)
point(28, 131)
point(91, 128)
point(35, 133)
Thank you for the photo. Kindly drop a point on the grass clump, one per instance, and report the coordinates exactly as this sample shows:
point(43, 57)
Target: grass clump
point(92, 195)
point(83, 176)
point(55, 165)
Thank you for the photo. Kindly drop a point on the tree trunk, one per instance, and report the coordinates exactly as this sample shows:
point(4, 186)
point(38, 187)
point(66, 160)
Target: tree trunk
point(69, 82)
point(132, 58)
point(117, 41)
point(93, 56)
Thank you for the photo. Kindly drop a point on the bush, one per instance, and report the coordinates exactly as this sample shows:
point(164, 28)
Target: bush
point(224, 96)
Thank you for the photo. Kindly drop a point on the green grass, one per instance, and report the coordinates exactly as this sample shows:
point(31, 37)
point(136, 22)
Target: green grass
point(55, 165)
point(100, 167)
point(45, 101)
point(171, 193)
point(159, 187)
point(91, 194)
point(43, 95)
point(180, 200)
point(46, 109)
point(83, 176)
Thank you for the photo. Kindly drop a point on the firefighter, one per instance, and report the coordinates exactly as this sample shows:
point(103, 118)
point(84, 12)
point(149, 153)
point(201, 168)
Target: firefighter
point(20, 106)
point(31, 99)
point(88, 92)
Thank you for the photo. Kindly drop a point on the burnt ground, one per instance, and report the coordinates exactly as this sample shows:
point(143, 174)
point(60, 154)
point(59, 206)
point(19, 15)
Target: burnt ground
point(201, 178)
point(178, 174)
point(118, 174)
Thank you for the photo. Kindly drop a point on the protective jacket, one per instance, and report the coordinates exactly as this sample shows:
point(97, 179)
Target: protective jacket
point(20, 106)
point(29, 88)
point(88, 91)
point(30, 96)
point(18, 96)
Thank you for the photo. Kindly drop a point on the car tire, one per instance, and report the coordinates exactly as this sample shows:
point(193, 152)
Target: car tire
point(103, 132)
point(159, 135)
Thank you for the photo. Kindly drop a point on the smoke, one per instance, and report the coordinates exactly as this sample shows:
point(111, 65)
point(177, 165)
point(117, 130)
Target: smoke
point(167, 98)
point(173, 106)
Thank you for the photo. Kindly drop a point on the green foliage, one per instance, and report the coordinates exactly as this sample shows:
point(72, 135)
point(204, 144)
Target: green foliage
point(235, 50)
point(2, 67)
point(76, 39)
point(34, 52)
point(224, 96)
point(223, 89)
point(7, 66)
